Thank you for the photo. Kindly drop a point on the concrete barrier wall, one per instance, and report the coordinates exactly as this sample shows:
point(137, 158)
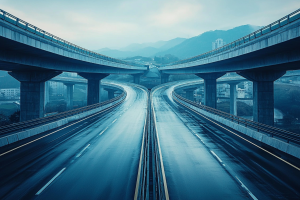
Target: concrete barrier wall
point(46, 127)
point(264, 138)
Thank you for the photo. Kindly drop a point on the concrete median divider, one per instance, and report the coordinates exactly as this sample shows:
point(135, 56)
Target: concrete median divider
point(5, 140)
point(279, 144)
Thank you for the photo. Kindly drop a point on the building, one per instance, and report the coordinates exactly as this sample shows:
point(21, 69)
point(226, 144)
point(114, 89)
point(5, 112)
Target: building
point(218, 43)
point(10, 93)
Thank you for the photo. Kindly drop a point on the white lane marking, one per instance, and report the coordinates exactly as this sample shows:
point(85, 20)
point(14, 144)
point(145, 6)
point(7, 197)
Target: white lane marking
point(56, 131)
point(159, 149)
point(78, 155)
point(43, 188)
point(199, 138)
point(240, 136)
point(249, 192)
point(141, 156)
point(103, 130)
point(219, 159)
point(114, 121)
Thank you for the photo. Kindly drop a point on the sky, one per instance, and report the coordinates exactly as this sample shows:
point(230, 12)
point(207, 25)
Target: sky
point(96, 24)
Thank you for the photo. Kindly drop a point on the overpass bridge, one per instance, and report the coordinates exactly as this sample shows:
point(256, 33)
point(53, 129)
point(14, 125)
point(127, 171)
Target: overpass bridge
point(262, 57)
point(147, 146)
point(33, 56)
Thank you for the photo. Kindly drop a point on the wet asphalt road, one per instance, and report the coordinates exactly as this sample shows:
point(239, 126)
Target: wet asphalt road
point(204, 161)
point(96, 158)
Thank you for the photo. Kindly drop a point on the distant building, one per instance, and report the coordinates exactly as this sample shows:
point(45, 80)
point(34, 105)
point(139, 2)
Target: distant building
point(218, 43)
point(10, 93)
point(240, 93)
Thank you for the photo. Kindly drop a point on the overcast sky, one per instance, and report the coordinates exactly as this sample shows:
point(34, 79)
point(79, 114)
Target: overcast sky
point(96, 24)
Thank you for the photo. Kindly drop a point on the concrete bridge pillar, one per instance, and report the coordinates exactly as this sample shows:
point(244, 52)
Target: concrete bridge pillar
point(111, 93)
point(70, 91)
point(189, 93)
point(93, 94)
point(137, 78)
point(32, 92)
point(210, 88)
point(263, 94)
point(164, 78)
point(233, 96)
point(47, 93)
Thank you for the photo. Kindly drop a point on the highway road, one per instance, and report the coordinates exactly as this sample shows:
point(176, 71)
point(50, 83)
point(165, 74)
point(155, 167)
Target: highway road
point(202, 160)
point(95, 158)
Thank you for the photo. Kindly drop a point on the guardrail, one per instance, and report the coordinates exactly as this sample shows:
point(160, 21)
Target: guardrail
point(265, 30)
point(151, 181)
point(271, 131)
point(21, 126)
point(158, 182)
point(39, 32)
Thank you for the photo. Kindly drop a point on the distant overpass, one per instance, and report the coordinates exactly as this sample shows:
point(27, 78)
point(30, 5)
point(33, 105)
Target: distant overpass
point(262, 57)
point(33, 56)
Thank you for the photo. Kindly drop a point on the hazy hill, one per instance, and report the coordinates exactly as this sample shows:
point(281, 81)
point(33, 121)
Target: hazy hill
point(203, 43)
point(145, 49)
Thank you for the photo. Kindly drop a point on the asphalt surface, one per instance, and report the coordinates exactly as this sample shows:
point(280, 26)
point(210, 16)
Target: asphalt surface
point(96, 158)
point(204, 161)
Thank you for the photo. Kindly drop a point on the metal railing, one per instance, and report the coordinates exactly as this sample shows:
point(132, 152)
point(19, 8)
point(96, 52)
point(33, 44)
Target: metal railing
point(152, 186)
point(41, 33)
point(20, 126)
point(271, 131)
point(256, 34)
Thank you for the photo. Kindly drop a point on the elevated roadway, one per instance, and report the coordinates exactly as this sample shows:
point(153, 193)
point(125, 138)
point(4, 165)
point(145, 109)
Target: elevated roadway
point(94, 158)
point(34, 56)
point(262, 57)
point(204, 161)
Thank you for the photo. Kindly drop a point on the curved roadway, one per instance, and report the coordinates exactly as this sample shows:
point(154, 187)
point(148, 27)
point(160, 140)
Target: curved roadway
point(204, 161)
point(95, 158)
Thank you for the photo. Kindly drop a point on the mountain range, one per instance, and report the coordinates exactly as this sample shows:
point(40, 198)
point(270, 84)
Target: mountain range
point(180, 47)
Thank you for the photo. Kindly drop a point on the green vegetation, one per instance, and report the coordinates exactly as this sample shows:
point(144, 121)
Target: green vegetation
point(243, 109)
point(8, 109)
point(287, 99)
point(165, 59)
point(14, 118)
point(56, 106)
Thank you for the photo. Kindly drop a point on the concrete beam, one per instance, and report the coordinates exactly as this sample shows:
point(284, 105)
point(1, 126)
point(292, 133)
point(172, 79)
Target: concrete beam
point(32, 92)
point(93, 94)
point(210, 88)
point(263, 94)
point(70, 92)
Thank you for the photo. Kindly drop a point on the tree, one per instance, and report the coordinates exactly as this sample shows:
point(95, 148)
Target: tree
point(15, 117)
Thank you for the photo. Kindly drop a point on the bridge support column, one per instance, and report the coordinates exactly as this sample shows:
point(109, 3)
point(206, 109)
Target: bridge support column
point(164, 78)
point(233, 96)
point(111, 93)
point(93, 94)
point(47, 93)
point(189, 93)
point(263, 94)
point(210, 88)
point(32, 92)
point(137, 78)
point(70, 91)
